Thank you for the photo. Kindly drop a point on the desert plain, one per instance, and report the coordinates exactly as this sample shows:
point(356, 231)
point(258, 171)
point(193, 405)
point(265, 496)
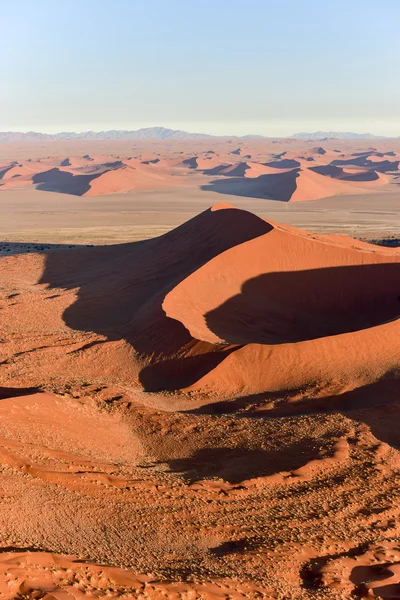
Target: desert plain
point(199, 369)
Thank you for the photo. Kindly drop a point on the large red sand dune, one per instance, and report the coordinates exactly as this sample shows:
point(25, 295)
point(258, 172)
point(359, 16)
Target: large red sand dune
point(207, 306)
point(210, 414)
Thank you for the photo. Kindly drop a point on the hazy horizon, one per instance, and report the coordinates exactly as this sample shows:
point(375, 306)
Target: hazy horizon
point(224, 69)
point(55, 131)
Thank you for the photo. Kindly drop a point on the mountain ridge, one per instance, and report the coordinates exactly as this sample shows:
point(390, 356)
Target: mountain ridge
point(340, 135)
point(159, 133)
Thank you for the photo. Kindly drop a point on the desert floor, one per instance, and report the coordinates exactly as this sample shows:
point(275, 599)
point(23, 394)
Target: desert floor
point(59, 218)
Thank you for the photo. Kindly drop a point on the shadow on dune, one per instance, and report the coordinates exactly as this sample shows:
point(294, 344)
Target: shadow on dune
point(12, 248)
point(191, 163)
point(154, 161)
point(4, 171)
point(288, 307)
point(122, 287)
point(278, 186)
point(63, 182)
point(362, 161)
point(239, 170)
point(366, 176)
point(237, 464)
point(319, 150)
point(12, 392)
point(294, 306)
point(178, 373)
point(377, 405)
point(285, 163)
point(338, 173)
point(218, 170)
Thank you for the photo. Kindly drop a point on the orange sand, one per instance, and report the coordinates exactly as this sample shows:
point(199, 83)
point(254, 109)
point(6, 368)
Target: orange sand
point(208, 414)
point(291, 175)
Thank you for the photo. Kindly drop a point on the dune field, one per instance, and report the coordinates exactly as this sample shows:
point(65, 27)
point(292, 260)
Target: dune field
point(116, 191)
point(200, 370)
point(301, 172)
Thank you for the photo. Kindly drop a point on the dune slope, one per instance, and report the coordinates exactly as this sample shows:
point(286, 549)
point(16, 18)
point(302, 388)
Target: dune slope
point(209, 414)
point(206, 308)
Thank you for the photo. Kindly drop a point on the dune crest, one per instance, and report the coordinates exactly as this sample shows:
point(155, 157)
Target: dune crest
point(290, 300)
point(207, 306)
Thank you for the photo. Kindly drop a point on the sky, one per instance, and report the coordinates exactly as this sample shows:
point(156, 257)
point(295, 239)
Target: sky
point(225, 67)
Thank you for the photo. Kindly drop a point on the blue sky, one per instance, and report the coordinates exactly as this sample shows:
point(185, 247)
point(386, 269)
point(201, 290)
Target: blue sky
point(272, 67)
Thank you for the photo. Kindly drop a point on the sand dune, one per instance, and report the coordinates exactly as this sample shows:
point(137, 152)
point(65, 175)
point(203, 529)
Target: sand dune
point(284, 163)
point(5, 168)
point(128, 178)
point(351, 174)
point(295, 185)
point(25, 171)
point(242, 169)
point(194, 164)
point(369, 161)
point(319, 150)
point(227, 293)
point(93, 179)
point(348, 292)
point(207, 414)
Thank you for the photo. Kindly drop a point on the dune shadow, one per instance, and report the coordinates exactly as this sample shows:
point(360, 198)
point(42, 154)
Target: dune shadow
point(64, 182)
point(362, 575)
point(294, 306)
point(277, 186)
point(239, 170)
point(366, 176)
point(218, 170)
point(13, 392)
point(336, 172)
point(121, 288)
point(284, 163)
point(4, 171)
point(363, 161)
point(376, 404)
point(12, 248)
point(319, 150)
point(191, 163)
point(179, 373)
point(328, 170)
point(238, 464)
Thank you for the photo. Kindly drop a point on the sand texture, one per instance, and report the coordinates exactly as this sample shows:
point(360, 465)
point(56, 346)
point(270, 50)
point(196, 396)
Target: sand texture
point(210, 413)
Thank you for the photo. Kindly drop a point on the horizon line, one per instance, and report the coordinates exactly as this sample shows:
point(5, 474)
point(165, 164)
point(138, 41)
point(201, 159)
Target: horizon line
point(363, 134)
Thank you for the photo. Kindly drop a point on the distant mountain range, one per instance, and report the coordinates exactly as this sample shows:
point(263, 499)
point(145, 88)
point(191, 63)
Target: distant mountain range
point(161, 133)
point(340, 135)
point(148, 133)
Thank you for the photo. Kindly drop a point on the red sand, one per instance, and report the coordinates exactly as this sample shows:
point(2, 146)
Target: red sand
point(227, 292)
point(221, 170)
point(131, 377)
